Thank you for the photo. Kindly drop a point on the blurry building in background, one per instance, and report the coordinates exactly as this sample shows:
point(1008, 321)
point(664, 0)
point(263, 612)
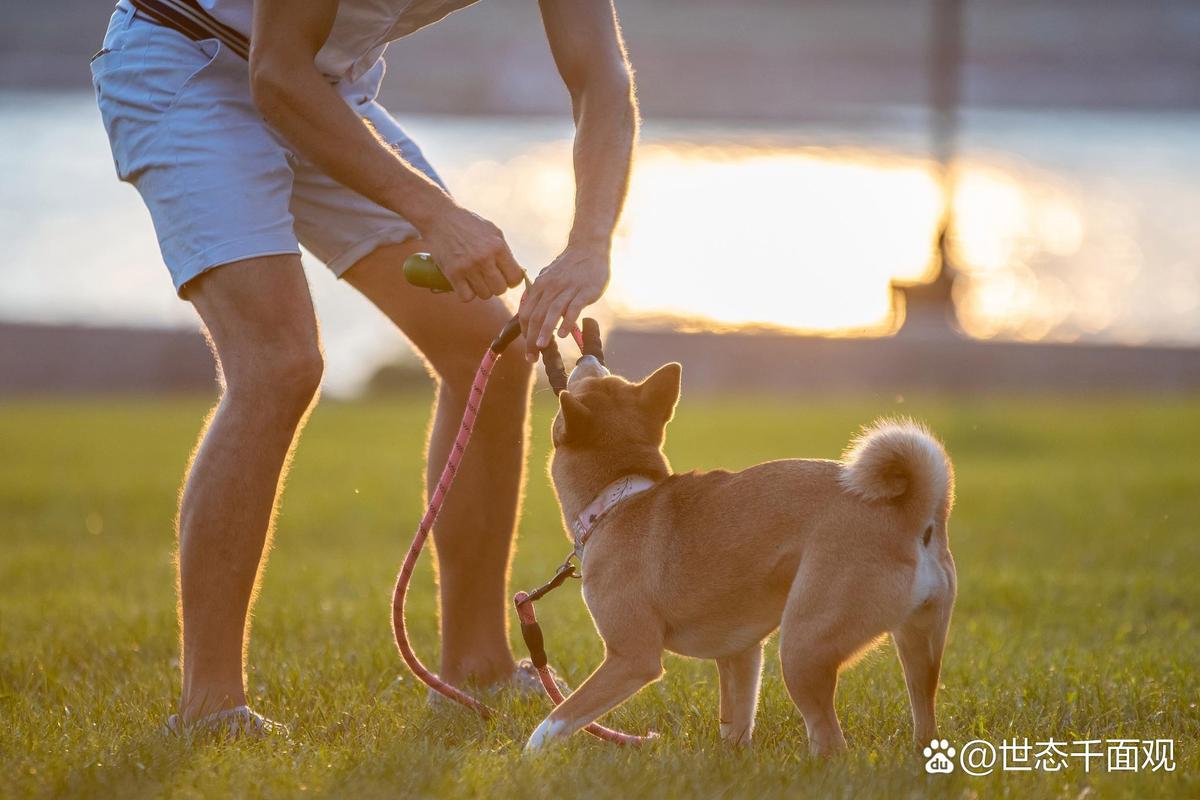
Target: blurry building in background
point(71, 359)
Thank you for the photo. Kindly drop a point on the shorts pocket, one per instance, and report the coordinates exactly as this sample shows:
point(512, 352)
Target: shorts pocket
point(212, 48)
point(139, 86)
point(101, 63)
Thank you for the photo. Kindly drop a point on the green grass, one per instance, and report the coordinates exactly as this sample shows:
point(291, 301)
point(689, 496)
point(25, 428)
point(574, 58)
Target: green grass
point(1076, 536)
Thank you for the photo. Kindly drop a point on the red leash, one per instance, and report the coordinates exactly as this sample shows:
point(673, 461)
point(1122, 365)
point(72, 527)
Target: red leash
point(523, 601)
point(414, 550)
point(509, 332)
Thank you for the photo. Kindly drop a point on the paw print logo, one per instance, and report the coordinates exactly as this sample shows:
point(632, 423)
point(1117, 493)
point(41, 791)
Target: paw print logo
point(938, 757)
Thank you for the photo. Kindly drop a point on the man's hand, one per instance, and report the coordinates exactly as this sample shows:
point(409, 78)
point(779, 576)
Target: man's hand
point(571, 283)
point(472, 254)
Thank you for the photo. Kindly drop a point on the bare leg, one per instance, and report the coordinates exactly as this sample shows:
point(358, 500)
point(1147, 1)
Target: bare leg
point(740, 676)
point(260, 317)
point(473, 535)
point(613, 682)
point(920, 642)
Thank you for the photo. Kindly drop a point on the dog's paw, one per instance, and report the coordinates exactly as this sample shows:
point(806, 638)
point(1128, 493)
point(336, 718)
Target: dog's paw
point(544, 734)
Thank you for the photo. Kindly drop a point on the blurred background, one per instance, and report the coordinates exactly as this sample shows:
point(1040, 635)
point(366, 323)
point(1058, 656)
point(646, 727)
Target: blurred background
point(981, 213)
point(881, 194)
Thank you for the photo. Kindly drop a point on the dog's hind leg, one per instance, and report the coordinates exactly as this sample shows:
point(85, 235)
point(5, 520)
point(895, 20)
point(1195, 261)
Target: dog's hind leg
point(832, 615)
point(920, 642)
point(740, 675)
point(810, 671)
point(613, 682)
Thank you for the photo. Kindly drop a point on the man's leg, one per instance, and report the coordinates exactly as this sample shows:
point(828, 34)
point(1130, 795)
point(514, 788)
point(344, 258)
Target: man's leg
point(473, 536)
point(260, 317)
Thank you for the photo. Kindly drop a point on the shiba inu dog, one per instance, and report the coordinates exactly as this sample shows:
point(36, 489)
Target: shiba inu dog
point(835, 554)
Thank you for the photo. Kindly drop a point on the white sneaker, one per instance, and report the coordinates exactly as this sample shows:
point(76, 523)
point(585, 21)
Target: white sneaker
point(232, 723)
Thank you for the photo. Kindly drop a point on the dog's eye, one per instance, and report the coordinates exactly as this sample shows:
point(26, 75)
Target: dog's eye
point(928, 535)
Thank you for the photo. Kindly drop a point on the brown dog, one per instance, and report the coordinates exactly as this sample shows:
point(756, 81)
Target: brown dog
point(833, 553)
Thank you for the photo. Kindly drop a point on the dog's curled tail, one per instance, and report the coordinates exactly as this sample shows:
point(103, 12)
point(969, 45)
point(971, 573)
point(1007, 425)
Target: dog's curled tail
point(899, 461)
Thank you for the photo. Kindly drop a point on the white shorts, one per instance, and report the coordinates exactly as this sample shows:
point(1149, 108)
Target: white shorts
point(220, 184)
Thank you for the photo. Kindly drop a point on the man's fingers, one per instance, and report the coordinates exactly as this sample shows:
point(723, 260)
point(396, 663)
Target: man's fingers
point(536, 336)
point(513, 274)
point(531, 319)
point(463, 290)
point(553, 310)
point(478, 285)
point(571, 315)
point(495, 279)
point(525, 308)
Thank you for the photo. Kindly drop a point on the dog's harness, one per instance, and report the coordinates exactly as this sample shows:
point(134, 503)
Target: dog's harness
point(610, 496)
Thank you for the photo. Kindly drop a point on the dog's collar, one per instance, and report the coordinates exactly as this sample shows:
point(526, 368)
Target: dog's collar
point(610, 496)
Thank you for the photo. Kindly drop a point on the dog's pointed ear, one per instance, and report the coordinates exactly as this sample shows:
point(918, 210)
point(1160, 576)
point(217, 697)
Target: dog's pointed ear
point(576, 419)
point(660, 392)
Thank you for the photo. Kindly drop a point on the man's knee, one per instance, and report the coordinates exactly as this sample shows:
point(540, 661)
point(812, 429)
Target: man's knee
point(282, 380)
point(299, 373)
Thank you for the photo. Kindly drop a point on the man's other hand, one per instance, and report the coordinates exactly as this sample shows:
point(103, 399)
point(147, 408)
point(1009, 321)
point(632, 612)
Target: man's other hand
point(472, 254)
point(571, 283)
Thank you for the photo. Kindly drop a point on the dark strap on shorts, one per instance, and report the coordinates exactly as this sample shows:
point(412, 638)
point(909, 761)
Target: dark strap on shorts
point(190, 19)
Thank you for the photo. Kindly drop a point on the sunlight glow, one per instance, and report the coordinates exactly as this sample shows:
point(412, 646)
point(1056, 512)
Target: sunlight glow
point(1002, 227)
point(801, 240)
point(810, 239)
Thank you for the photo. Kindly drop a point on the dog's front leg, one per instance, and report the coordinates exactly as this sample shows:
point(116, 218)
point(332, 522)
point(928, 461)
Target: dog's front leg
point(740, 676)
point(613, 682)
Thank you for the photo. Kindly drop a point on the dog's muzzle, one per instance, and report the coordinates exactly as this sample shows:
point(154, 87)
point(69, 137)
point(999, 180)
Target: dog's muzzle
point(587, 367)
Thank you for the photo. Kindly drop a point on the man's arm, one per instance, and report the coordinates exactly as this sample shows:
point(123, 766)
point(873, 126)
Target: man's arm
point(299, 102)
point(590, 55)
